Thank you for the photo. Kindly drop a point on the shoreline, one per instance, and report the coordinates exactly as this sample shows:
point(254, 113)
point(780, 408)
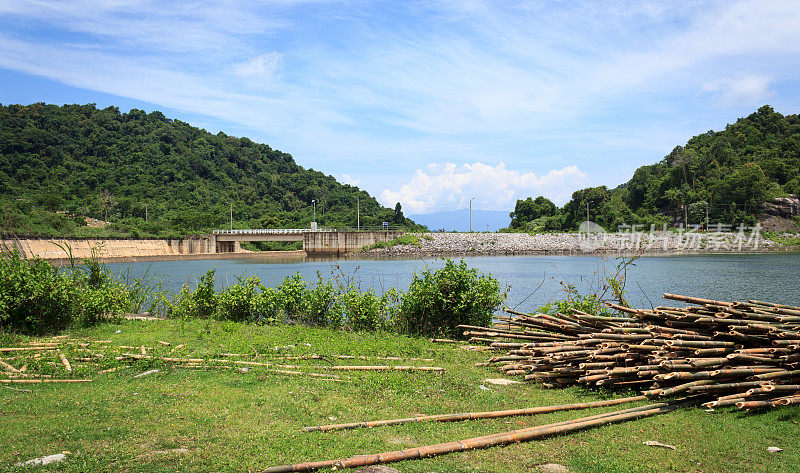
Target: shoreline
point(302, 256)
point(574, 244)
point(440, 245)
point(292, 254)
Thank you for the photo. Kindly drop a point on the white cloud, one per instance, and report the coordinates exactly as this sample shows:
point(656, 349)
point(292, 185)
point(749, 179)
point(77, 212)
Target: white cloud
point(348, 179)
point(448, 186)
point(261, 69)
point(750, 90)
point(446, 80)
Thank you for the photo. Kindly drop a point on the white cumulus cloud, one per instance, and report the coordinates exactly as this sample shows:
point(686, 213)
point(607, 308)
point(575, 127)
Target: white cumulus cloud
point(448, 187)
point(750, 90)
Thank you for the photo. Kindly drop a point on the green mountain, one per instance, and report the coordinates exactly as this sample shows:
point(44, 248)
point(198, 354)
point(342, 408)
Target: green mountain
point(61, 164)
point(730, 173)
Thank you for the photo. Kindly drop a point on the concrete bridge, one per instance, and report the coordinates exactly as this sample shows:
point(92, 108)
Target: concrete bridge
point(323, 241)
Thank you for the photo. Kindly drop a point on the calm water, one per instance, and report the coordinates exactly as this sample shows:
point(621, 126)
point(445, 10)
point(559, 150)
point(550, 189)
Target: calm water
point(771, 277)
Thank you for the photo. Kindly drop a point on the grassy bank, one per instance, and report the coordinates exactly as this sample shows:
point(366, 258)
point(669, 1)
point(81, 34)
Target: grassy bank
point(182, 419)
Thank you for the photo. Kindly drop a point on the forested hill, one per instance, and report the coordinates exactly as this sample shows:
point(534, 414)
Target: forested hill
point(59, 164)
point(732, 173)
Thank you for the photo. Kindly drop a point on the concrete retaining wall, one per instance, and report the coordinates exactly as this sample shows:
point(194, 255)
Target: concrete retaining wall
point(334, 243)
point(50, 249)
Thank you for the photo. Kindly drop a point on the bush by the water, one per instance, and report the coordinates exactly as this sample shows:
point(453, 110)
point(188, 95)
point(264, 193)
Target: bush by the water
point(35, 298)
point(435, 304)
point(340, 305)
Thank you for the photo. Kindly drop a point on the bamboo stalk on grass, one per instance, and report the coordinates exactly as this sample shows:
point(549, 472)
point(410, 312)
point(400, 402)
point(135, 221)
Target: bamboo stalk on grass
point(8, 367)
point(45, 380)
point(12, 349)
point(486, 441)
point(65, 361)
point(475, 415)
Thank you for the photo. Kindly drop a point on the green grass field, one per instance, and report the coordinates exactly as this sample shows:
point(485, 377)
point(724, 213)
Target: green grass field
point(183, 419)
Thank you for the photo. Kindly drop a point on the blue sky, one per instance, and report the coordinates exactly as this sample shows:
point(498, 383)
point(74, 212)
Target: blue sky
point(430, 103)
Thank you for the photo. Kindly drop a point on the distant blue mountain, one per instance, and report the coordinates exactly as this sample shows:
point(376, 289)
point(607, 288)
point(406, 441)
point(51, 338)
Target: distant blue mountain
point(458, 220)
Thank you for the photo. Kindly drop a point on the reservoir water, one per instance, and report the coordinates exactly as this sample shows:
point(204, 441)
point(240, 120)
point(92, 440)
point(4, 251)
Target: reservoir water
point(532, 280)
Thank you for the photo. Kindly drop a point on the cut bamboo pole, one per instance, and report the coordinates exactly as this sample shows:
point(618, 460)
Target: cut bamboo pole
point(65, 361)
point(45, 380)
point(475, 415)
point(45, 347)
point(8, 367)
point(364, 367)
point(503, 438)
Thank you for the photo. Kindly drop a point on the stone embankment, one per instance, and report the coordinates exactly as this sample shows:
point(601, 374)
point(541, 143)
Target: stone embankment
point(432, 244)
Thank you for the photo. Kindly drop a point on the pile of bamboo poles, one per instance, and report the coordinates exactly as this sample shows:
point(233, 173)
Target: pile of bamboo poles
point(745, 354)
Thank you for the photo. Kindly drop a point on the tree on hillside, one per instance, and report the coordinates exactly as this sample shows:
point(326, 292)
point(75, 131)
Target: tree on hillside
point(530, 209)
point(399, 219)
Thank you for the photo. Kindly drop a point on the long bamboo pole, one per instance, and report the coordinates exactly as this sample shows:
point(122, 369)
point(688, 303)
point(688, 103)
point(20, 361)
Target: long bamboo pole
point(475, 415)
point(503, 438)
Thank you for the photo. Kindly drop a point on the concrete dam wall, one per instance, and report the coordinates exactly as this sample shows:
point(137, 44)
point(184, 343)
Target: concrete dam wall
point(60, 248)
point(314, 243)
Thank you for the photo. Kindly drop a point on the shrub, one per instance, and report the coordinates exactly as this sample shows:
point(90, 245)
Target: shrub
point(236, 301)
point(34, 298)
point(267, 306)
point(318, 304)
point(438, 301)
point(202, 302)
point(363, 310)
point(293, 289)
point(99, 303)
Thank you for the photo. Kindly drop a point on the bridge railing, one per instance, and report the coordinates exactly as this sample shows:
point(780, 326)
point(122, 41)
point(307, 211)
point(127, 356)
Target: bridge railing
point(266, 231)
point(262, 231)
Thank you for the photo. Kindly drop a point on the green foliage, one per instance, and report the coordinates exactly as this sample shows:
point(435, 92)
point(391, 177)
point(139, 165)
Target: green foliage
point(529, 210)
point(438, 301)
point(319, 305)
point(730, 173)
point(364, 310)
point(435, 304)
point(236, 302)
point(294, 290)
point(61, 164)
point(413, 240)
point(35, 298)
point(202, 302)
point(608, 284)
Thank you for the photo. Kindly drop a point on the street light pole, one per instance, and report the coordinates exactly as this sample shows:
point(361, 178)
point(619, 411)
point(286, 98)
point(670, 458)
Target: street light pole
point(145, 212)
point(358, 214)
point(470, 214)
point(231, 202)
point(314, 202)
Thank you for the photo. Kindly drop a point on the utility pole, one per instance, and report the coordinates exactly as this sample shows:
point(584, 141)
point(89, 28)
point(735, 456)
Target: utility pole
point(145, 213)
point(314, 203)
point(231, 202)
point(587, 210)
point(470, 214)
point(706, 216)
point(686, 215)
point(358, 213)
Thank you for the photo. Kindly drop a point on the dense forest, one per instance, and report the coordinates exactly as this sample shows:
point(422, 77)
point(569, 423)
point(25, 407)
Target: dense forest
point(724, 176)
point(152, 176)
